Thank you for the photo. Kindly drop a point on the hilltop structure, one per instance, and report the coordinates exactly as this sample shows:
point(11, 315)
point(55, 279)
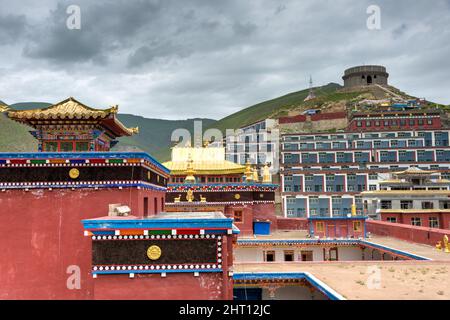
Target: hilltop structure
point(365, 76)
point(71, 126)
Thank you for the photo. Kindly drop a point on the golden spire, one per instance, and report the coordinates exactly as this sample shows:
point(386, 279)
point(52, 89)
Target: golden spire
point(248, 172)
point(353, 209)
point(267, 177)
point(255, 174)
point(190, 171)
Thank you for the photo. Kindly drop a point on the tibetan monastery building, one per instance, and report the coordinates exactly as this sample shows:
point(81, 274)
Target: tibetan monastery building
point(71, 126)
point(83, 224)
point(202, 180)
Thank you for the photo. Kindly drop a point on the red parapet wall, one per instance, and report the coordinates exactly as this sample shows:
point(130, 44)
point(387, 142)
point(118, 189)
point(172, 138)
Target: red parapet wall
point(406, 232)
point(293, 119)
point(328, 116)
point(292, 223)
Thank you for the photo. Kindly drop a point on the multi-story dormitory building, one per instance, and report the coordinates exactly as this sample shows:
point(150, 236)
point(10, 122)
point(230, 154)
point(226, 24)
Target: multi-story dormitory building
point(323, 174)
point(257, 143)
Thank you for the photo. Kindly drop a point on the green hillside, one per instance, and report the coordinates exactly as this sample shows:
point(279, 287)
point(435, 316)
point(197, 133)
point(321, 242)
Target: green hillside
point(155, 134)
point(29, 105)
point(268, 108)
point(15, 137)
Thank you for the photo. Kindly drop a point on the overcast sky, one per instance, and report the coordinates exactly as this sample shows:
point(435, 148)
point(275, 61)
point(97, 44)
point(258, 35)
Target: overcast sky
point(204, 58)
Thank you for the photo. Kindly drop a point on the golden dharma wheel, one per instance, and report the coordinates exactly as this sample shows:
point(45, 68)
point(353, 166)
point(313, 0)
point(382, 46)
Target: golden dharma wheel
point(237, 196)
point(154, 252)
point(74, 173)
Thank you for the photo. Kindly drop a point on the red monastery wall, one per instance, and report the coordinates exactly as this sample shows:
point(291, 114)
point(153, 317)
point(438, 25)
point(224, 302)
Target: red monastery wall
point(43, 236)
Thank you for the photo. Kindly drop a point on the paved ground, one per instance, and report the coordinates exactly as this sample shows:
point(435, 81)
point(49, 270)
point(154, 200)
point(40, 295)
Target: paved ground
point(372, 280)
point(411, 247)
point(378, 280)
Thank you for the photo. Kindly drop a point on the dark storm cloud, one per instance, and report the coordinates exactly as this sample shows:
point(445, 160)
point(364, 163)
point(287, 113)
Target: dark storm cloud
point(11, 27)
point(178, 59)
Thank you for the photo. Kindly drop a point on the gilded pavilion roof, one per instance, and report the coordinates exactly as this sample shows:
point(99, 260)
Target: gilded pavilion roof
point(71, 109)
point(3, 108)
point(207, 160)
point(415, 171)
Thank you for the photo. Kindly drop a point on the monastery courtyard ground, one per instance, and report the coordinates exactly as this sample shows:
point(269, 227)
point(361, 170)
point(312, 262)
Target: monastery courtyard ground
point(379, 280)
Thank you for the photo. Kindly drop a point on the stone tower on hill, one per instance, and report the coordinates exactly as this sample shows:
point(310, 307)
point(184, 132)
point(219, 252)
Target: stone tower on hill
point(365, 76)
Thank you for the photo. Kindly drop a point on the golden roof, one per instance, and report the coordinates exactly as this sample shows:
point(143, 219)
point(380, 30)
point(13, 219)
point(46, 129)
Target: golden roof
point(66, 109)
point(414, 171)
point(209, 160)
point(72, 109)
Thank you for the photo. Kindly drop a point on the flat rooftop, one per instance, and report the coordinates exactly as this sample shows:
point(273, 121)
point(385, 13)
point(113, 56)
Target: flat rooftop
point(371, 280)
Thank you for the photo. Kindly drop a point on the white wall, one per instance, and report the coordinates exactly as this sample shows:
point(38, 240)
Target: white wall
point(255, 254)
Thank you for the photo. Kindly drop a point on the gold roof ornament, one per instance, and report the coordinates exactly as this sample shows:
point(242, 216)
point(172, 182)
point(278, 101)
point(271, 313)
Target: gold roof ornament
point(353, 209)
point(248, 171)
point(267, 177)
point(3, 108)
point(255, 174)
point(190, 195)
point(71, 109)
point(190, 171)
point(446, 244)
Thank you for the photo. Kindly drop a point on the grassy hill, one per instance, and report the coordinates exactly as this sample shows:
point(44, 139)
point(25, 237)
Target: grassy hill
point(155, 134)
point(268, 108)
point(15, 137)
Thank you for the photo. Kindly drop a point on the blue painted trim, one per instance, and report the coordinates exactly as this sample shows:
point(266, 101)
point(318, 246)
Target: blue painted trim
point(299, 241)
point(243, 184)
point(221, 223)
point(84, 155)
point(156, 271)
point(322, 287)
point(396, 251)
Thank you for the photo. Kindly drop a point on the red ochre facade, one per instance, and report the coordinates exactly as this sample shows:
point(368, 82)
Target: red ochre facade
point(405, 218)
point(43, 237)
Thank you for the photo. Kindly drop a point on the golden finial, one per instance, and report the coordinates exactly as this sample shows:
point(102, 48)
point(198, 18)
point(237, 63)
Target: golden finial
point(134, 130)
point(248, 172)
point(255, 175)
point(190, 170)
point(3, 108)
point(114, 108)
point(267, 177)
point(190, 195)
point(446, 244)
